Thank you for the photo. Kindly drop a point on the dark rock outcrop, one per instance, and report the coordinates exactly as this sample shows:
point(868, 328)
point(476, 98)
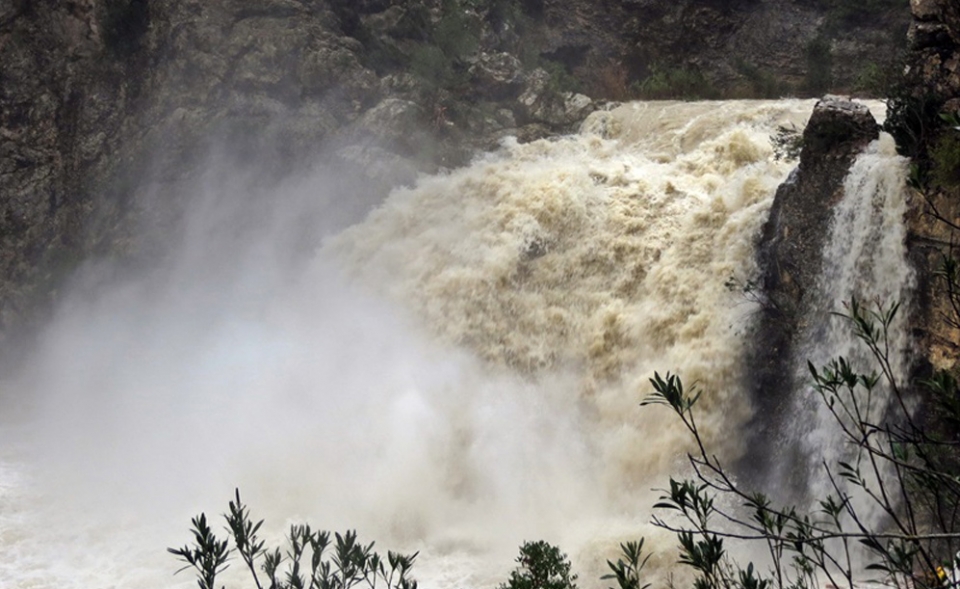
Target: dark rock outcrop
point(790, 253)
point(792, 239)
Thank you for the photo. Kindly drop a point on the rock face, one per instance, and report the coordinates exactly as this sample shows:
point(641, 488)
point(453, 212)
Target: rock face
point(934, 77)
point(793, 238)
point(934, 36)
point(737, 46)
point(790, 251)
point(60, 113)
point(793, 235)
point(107, 107)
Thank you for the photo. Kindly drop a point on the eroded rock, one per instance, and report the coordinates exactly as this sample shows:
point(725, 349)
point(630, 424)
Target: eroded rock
point(925, 9)
point(497, 75)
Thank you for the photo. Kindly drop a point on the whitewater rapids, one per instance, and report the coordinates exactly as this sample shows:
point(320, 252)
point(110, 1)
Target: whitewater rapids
point(457, 373)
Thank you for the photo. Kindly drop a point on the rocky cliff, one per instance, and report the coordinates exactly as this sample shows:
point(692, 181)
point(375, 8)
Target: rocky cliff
point(934, 89)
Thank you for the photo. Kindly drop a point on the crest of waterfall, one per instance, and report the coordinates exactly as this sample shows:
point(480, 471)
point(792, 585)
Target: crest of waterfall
point(459, 372)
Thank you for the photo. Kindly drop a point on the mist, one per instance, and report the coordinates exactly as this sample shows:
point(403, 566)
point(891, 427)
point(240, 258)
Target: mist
point(245, 359)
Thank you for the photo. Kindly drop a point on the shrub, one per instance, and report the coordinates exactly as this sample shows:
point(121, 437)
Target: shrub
point(819, 59)
point(611, 82)
point(561, 80)
point(431, 64)
point(457, 33)
point(313, 560)
point(674, 83)
point(945, 158)
point(763, 84)
point(628, 568)
point(873, 80)
point(912, 121)
point(542, 566)
point(503, 13)
point(348, 563)
point(847, 13)
point(787, 143)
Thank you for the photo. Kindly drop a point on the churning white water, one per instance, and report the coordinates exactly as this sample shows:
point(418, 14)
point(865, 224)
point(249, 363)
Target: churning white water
point(457, 373)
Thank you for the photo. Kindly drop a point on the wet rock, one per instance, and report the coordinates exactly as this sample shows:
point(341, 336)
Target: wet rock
point(541, 103)
point(532, 132)
point(8, 10)
point(497, 75)
point(837, 125)
point(392, 121)
point(535, 86)
point(925, 9)
point(933, 63)
point(934, 73)
point(924, 35)
point(789, 250)
point(385, 168)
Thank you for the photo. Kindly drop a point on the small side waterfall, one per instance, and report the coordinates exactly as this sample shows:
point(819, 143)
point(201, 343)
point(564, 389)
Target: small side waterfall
point(864, 258)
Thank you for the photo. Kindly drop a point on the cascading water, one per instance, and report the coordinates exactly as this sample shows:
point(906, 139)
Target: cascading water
point(456, 374)
point(865, 258)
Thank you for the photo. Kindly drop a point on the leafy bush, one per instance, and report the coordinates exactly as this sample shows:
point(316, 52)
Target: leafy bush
point(503, 13)
point(628, 568)
point(763, 84)
point(431, 64)
point(560, 80)
point(350, 564)
point(787, 143)
point(912, 121)
point(309, 563)
point(542, 566)
point(819, 66)
point(846, 13)
point(674, 83)
point(457, 33)
point(945, 157)
point(874, 79)
point(611, 82)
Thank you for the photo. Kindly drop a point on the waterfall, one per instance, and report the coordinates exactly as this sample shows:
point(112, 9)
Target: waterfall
point(457, 373)
point(864, 258)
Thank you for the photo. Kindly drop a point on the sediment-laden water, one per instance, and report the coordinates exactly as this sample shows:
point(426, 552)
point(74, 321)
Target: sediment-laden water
point(457, 373)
